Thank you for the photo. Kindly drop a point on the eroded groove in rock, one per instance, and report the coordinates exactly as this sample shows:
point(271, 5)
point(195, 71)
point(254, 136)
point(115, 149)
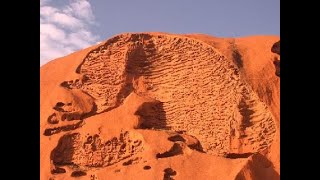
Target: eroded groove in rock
point(132, 161)
point(252, 126)
point(58, 129)
point(276, 63)
point(176, 138)
point(78, 173)
point(52, 119)
point(58, 170)
point(237, 58)
point(168, 172)
point(152, 115)
point(75, 108)
point(63, 153)
point(236, 156)
point(190, 141)
point(276, 47)
point(176, 149)
point(92, 151)
point(198, 88)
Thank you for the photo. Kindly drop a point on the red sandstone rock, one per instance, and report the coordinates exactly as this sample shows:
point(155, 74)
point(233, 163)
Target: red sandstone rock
point(161, 106)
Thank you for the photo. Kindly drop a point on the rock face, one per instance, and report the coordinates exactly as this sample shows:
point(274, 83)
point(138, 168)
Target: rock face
point(163, 101)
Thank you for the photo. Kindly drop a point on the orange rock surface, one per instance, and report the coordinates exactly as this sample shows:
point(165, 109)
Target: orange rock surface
point(163, 106)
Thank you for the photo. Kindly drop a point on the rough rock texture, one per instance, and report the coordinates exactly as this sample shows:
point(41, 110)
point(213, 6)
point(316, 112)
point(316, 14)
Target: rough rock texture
point(163, 106)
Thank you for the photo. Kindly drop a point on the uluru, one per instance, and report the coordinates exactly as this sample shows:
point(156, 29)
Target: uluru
point(155, 105)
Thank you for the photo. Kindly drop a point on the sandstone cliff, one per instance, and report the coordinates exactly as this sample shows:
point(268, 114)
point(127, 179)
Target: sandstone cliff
point(163, 106)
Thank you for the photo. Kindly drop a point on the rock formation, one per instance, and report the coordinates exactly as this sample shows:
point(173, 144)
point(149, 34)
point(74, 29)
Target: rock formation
point(163, 106)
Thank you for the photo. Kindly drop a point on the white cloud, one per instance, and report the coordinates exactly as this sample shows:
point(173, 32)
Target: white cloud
point(43, 2)
point(51, 31)
point(67, 21)
point(47, 11)
point(81, 9)
point(66, 29)
point(80, 39)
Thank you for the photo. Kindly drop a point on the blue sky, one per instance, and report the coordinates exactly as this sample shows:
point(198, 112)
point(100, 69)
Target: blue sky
point(69, 25)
